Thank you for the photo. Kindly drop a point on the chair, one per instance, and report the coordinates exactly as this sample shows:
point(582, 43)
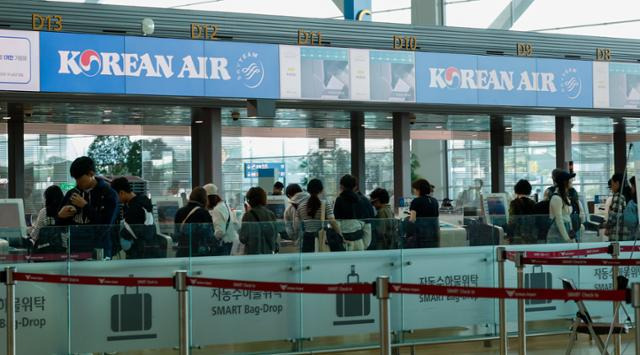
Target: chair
point(584, 324)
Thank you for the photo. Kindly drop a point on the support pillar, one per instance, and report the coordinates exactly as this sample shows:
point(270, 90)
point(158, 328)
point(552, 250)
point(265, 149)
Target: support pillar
point(206, 147)
point(563, 142)
point(357, 148)
point(401, 156)
point(15, 130)
point(498, 141)
point(619, 145)
point(428, 12)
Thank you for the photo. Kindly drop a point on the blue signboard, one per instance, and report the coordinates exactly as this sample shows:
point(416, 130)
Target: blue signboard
point(156, 66)
point(483, 80)
point(252, 169)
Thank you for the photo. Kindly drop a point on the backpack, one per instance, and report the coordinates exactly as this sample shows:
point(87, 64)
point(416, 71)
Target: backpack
point(50, 240)
point(542, 221)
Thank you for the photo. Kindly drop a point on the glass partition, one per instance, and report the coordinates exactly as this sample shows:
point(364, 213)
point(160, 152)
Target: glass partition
point(592, 152)
point(4, 161)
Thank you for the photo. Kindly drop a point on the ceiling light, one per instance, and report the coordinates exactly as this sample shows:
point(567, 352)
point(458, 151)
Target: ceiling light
point(6, 118)
point(107, 111)
point(508, 128)
point(106, 120)
point(470, 119)
point(389, 117)
point(198, 121)
point(438, 127)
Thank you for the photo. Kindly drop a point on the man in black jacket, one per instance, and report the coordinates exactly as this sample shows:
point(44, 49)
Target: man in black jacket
point(91, 207)
point(194, 226)
point(353, 210)
point(138, 234)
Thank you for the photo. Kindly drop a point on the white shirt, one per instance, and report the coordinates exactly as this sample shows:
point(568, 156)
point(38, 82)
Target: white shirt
point(221, 214)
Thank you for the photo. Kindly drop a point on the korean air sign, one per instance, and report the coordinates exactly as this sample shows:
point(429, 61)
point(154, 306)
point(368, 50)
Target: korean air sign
point(135, 65)
point(468, 79)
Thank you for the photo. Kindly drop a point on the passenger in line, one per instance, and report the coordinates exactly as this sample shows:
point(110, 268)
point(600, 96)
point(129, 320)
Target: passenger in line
point(521, 224)
point(225, 224)
point(138, 232)
point(277, 189)
point(311, 211)
point(92, 207)
point(45, 224)
point(384, 231)
point(560, 210)
point(423, 215)
point(258, 232)
point(194, 226)
point(353, 212)
point(578, 210)
point(631, 211)
point(614, 227)
point(296, 197)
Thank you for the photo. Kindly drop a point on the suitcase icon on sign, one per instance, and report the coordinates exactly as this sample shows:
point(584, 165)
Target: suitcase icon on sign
point(353, 309)
point(538, 278)
point(131, 312)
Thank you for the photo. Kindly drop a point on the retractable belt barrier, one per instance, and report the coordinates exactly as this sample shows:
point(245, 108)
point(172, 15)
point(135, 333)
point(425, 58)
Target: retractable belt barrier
point(95, 280)
point(45, 257)
point(581, 262)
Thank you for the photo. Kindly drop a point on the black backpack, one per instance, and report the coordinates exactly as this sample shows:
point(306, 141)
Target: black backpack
point(542, 220)
point(50, 240)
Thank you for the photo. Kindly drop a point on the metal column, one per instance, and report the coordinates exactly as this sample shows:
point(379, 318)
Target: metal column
point(15, 130)
point(382, 292)
point(357, 148)
point(401, 156)
point(497, 154)
point(502, 307)
point(635, 302)
point(10, 306)
point(206, 147)
point(428, 12)
point(522, 322)
point(617, 339)
point(563, 142)
point(180, 285)
point(619, 145)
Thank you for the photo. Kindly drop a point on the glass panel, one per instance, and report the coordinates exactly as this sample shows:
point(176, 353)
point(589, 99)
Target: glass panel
point(4, 161)
point(592, 152)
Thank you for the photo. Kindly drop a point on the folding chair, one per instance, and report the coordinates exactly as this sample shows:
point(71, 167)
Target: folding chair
point(584, 324)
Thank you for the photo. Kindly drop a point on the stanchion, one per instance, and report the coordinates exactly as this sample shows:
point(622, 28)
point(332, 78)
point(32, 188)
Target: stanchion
point(617, 339)
point(11, 309)
point(382, 292)
point(635, 302)
point(180, 285)
point(502, 310)
point(522, 323)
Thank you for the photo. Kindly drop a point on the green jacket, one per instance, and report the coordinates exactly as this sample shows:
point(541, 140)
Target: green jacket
point(259, 233)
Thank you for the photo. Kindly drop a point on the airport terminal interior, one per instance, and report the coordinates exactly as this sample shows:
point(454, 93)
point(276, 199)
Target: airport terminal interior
point(319, 176)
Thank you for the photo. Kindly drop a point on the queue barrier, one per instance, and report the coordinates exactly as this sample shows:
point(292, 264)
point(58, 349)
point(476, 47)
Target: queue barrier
point(382, 289)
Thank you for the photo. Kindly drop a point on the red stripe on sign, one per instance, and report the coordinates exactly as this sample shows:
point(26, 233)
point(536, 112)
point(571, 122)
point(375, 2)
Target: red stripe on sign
point(587, 262)
point(509, 293)
point(46, 257)
point(629, 248)
point(511, 255)
point(95, 280)
point(360, 288)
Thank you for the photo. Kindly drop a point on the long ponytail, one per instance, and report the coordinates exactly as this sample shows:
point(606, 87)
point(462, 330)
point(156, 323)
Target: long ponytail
point(314, 188)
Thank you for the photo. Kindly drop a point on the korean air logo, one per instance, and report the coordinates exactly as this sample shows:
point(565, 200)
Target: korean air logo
point(250, 70)
point(452, 77)
point(90, 62)
point(570, 83)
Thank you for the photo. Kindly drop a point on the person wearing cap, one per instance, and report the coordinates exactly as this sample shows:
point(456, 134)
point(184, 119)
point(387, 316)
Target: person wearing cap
point(560, 210)
point(614, 227)
point(578, 210)
point(225, 226)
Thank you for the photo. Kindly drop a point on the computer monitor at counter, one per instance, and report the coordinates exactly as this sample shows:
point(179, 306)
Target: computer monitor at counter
point(165, 209)
point(12, 221)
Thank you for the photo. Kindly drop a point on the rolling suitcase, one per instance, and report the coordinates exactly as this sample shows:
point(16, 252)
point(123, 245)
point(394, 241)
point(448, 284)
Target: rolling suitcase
point(348, 305)
point(131, 311)
point(538, 278)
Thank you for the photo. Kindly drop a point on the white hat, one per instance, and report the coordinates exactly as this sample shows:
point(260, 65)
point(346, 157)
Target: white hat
point(211, 189)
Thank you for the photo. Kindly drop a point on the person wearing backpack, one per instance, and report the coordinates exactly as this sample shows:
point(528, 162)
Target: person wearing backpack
point(312, 214)
point(614, 226)
point(578, 211)
point(45, 236)
point(91, 209)
point(138, 232)
point(560, 230)
point(258, 232)
point(521, 225)
point(225, 225)
point(291, 220)
point(194, 226)
point(353, 213)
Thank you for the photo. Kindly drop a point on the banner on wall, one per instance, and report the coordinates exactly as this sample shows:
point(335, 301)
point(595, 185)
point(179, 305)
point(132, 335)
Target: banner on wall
point(19, 61)
point(156, 66)
point(616, 85)
point(483, 80)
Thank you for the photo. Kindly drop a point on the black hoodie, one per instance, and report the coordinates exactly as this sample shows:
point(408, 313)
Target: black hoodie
point(135, 214)
point(351, 205)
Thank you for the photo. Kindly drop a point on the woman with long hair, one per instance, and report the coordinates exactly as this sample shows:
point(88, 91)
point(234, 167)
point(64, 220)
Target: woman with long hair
point(560, 210)
point(310, 213)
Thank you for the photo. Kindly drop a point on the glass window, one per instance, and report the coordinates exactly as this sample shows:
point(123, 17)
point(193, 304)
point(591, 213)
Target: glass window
point(378, 146)
point(592, 153)
point(4, 161)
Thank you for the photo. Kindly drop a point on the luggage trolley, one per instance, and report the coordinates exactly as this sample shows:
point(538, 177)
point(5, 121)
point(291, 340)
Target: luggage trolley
point(584, 324)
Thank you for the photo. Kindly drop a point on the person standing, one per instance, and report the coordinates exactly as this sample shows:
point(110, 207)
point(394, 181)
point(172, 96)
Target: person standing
point(194, 226)
point(138, 235)
point(310, 214)
point(560, 210)
point(278, 187)
point(384, 229)
point(258, 232)
point(91, 207)
point(424, 215)
point(352, 212)
point(225, 225)
point(291, 220)
point(45, 224)
point(614, 227)
point(521, 225)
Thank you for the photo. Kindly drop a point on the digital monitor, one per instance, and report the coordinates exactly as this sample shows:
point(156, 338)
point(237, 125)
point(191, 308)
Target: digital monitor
point(12, 221)
point(277, 205)
point(165, 209)
point(496, 208)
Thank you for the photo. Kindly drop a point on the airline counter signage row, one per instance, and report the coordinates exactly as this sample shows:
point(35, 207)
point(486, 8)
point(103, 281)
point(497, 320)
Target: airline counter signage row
point(79, 63)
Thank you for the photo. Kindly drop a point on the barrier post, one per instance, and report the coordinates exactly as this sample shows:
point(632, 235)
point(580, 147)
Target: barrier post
point(617, 339)
point(382, 292)
point(502, 309)
point(180, 285)
point(635, 302)
point(10, 284)
point(522, 324)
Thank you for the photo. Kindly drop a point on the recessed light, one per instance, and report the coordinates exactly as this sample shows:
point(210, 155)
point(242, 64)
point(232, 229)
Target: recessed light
point(470, 119)
point(106, 120)
point(438, 127)
point(389, 117)
point(6, 118)
point(107, 111)
point(507, 128)
point(198, 122)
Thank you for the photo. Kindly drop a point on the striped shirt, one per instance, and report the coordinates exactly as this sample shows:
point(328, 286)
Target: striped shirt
point(313, 224)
